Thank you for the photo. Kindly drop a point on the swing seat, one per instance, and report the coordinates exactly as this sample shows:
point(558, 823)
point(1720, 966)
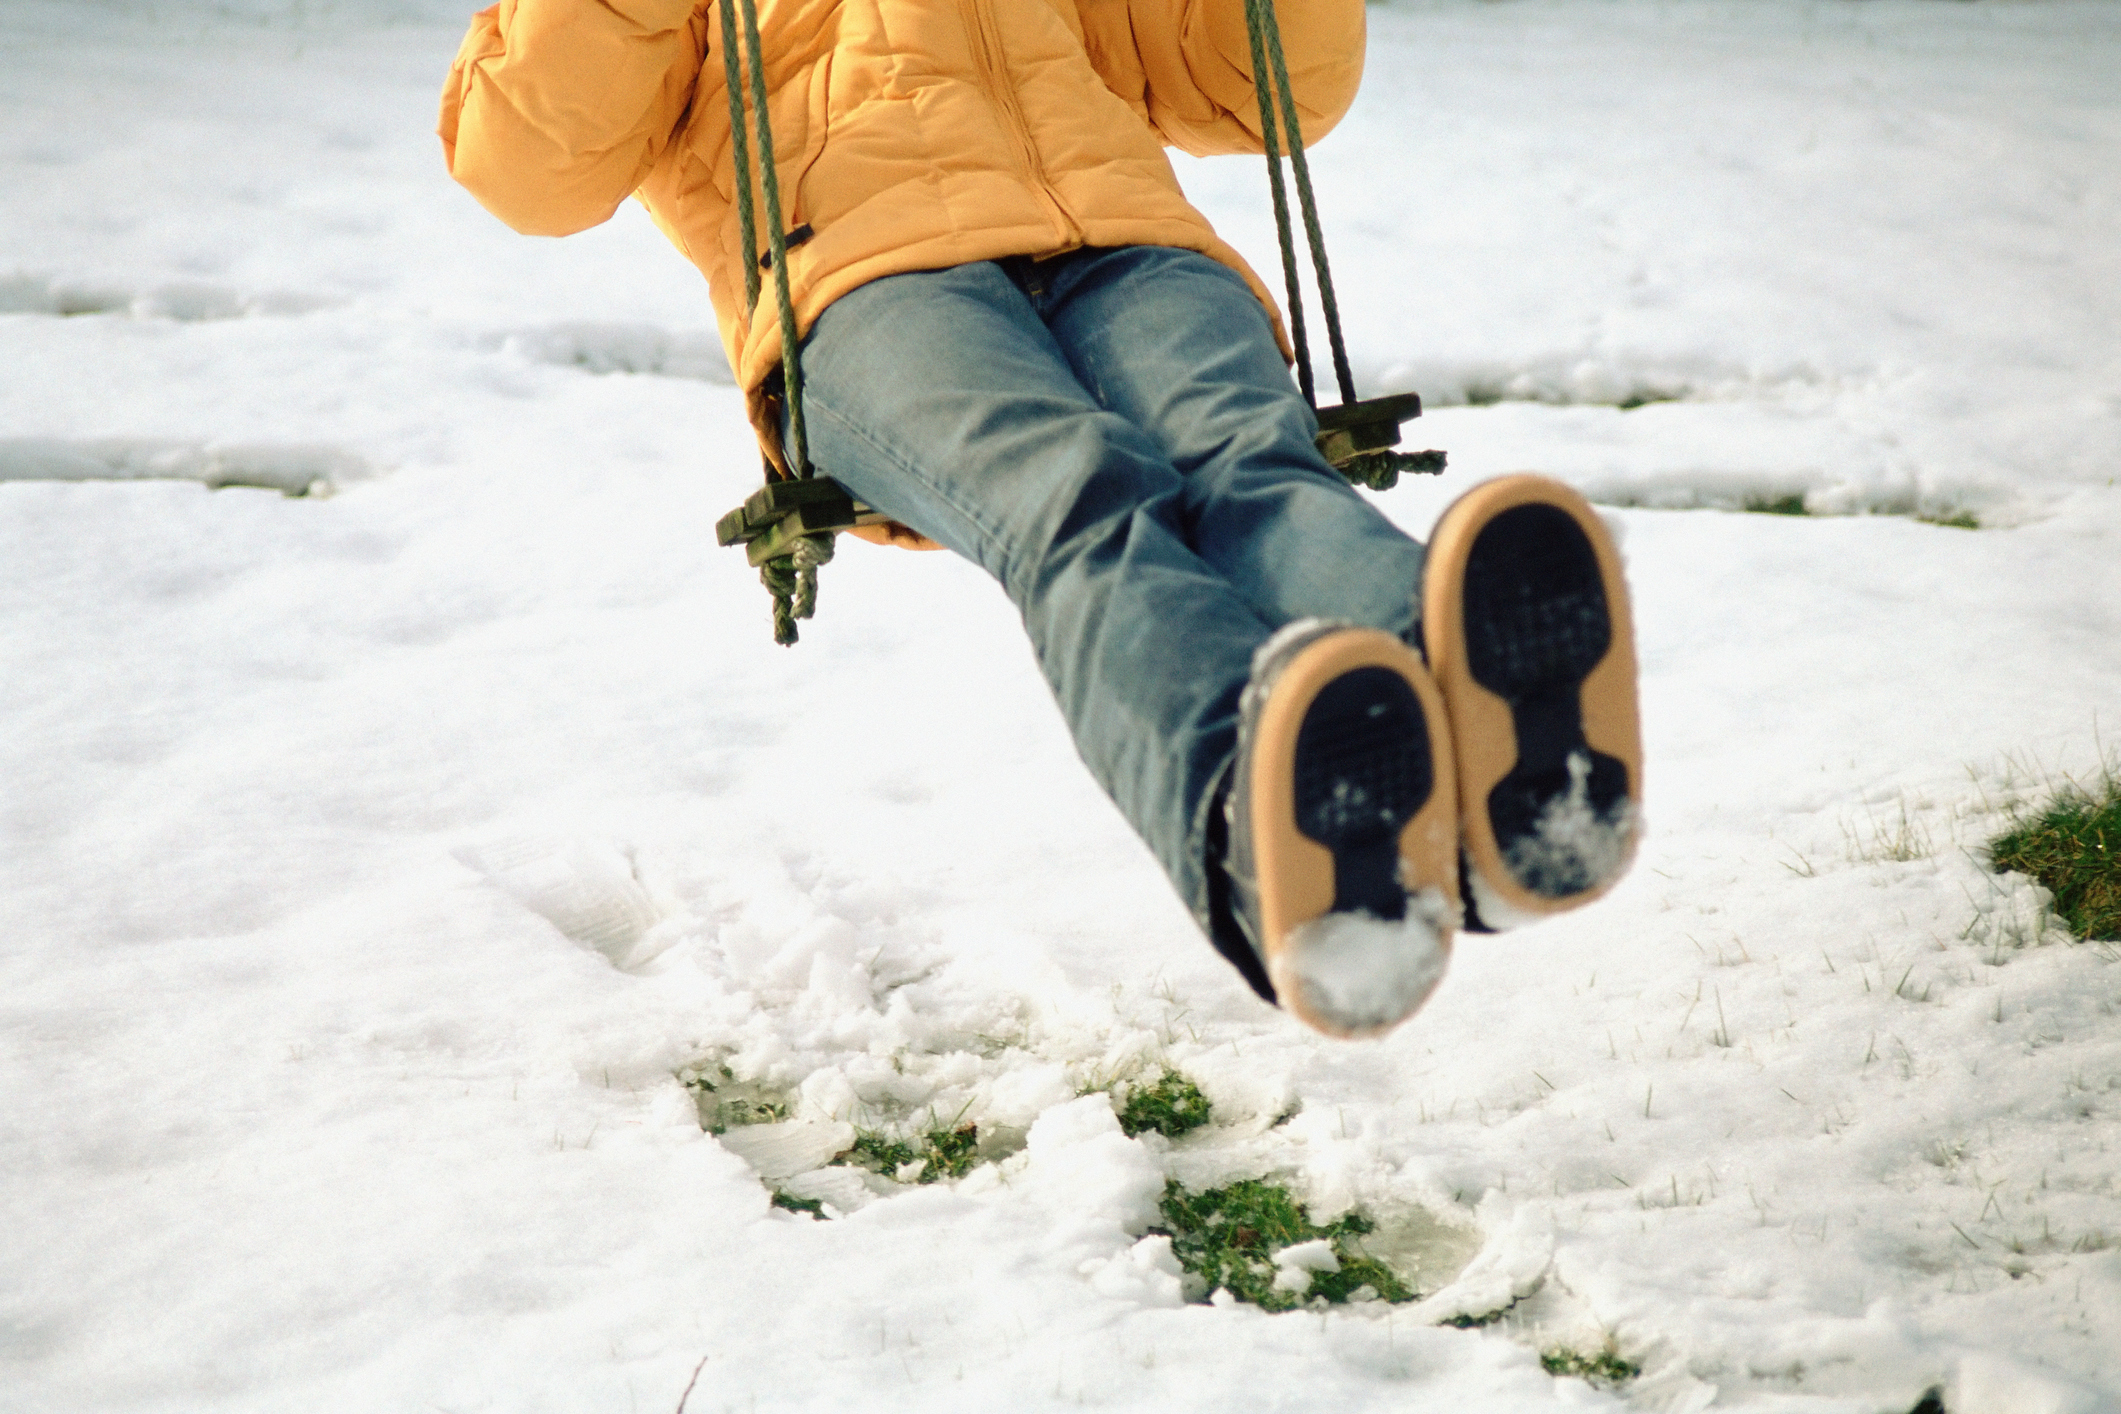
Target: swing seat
point(1360, 439)
point(779, 513)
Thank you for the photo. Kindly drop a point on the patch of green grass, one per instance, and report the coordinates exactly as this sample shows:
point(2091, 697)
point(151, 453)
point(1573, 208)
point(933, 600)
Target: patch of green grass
point(951, 1151)
point(1604, 1368)
point(1643, 397)
point(1171, 1105)
point(1791, 505)
point(2073, 848)
point(878, 1152)
point(1956, 520)
point(1227, 1237)
point(1477, 1322)
point(813, 1206)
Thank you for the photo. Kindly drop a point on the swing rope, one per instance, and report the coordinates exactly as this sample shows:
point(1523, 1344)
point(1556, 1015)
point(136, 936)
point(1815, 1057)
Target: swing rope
point(1269, 137)
point(1358, 438)
point(1270, 71)
point(790, 578)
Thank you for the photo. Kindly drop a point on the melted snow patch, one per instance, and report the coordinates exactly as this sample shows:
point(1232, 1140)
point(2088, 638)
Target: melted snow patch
point(1429, 1247)
point(295, 468)
point(1356, 974)
point(1513, 1263)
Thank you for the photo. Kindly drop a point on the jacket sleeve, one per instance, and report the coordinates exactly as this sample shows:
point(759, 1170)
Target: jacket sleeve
point(556, 109)
point(1187, 65)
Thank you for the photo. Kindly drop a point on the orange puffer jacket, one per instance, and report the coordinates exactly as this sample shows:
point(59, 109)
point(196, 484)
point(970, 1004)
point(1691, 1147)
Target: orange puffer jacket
point(910, 134)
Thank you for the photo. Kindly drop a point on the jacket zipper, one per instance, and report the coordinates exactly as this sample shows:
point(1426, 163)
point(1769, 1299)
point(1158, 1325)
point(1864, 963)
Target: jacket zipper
point(986, 49)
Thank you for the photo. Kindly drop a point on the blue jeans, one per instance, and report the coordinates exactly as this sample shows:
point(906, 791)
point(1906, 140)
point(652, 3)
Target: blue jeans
point(1112, 434)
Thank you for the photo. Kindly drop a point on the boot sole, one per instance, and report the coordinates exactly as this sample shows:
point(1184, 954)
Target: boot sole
point(1354, 817)
point(1526, 622)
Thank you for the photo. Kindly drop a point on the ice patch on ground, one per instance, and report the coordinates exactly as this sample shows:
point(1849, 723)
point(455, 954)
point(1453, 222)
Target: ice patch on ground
point(1426, 1239)
point(1355, 974)
point(1513, 1262)
point(790, 1147)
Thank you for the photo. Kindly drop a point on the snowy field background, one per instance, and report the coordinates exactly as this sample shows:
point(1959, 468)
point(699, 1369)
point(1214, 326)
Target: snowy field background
point(372, 860)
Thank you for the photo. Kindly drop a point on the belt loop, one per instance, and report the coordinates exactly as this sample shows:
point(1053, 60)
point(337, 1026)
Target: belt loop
point(1024, 273)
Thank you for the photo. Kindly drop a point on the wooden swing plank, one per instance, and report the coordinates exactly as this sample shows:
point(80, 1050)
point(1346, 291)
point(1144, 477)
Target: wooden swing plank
point(821, 502)
point(1371, 425)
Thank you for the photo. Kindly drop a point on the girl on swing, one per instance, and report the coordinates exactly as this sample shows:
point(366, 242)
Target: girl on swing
point(1021, 343)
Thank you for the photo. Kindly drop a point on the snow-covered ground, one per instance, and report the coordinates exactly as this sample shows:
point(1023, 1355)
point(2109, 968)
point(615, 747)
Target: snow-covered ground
point(372, 862)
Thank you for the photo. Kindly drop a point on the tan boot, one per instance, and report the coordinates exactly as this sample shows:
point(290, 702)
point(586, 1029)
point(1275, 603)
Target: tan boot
point(1525, 621)
point(1343, 841)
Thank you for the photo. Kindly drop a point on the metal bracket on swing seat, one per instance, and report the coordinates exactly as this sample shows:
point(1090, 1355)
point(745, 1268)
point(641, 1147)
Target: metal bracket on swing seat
point(1361, 439)
point(779, 513)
